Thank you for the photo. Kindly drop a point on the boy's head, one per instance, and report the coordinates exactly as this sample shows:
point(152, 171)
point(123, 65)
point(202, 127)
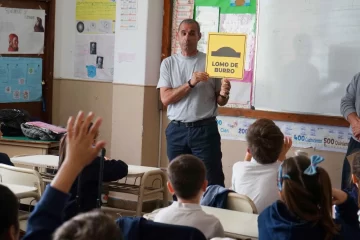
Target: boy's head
point(9, 207)
point(94, 225)
point(265, 141)
point(187, 177)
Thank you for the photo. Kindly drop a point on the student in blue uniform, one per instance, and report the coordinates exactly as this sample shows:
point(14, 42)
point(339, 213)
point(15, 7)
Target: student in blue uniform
point(305, 208)
point(113, 171)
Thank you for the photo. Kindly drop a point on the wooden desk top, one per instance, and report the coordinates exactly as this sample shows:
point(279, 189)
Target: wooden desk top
point(25, 140)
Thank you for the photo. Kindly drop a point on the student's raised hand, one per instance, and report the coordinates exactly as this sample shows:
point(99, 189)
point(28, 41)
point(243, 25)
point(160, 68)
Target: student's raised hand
point(338, 196)
point(286, 147)
point(80, 149)
point(199, 77)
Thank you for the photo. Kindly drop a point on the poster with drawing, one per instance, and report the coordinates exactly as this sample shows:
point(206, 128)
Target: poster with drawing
point(95, 16)
point(94, 57)
point(20, 79)
point(22, 31)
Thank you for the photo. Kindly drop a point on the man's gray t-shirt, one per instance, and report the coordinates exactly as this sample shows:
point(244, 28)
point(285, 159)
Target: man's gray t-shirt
point(200, 103)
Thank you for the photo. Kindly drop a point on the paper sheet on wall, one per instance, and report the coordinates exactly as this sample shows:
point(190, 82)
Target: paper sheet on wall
point(94, 57)
point(20, 79)
point(303, 135)
point(128, 14)
point(240, 95)
point(242, 23)
point(183, 9)
point(95, 16)
point(22, 31)
point(208, 19)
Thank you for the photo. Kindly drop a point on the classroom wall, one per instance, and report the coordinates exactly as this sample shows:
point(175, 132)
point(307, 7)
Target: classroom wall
point(129, 105)
point(131, 118)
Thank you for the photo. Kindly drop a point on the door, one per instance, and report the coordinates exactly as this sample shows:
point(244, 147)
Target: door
point(38, 110)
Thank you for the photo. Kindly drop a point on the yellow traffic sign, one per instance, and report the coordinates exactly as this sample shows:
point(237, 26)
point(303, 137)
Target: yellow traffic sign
point(225, 56)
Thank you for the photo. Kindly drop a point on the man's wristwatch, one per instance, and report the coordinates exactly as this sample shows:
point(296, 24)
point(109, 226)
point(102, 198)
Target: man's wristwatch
point(192, 86)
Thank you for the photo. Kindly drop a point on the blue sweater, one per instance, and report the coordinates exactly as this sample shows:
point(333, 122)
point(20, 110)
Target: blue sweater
point(276, 222)
point(113, 171)
point(46, 217)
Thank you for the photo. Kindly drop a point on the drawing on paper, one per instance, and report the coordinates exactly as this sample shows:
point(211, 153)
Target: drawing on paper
point(21, 31)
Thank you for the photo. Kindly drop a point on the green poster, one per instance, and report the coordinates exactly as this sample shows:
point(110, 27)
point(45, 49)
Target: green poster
point(225, 6)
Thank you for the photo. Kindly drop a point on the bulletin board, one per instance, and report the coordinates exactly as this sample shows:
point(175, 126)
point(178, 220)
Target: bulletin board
point(241, 89)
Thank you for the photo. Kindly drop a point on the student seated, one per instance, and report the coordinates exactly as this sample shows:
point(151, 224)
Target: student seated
point(113, 171)
point(187, 180)
point(4, 159)
point(9, 207)
point(354, 190)
point(305, 208)
point(47, 215)
point(266, 149)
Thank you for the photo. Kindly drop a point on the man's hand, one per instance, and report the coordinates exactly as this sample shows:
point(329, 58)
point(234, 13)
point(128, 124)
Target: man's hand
point(225, 87)
point(199, 77)
point(338, 196)
point(286, 147)
point(355, 127)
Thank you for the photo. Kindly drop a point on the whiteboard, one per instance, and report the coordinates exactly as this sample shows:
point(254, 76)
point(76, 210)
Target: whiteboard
point(307, 53)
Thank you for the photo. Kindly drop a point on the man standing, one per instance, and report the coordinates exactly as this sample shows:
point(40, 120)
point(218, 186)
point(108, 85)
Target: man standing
point(350, 109)
point(191, 98)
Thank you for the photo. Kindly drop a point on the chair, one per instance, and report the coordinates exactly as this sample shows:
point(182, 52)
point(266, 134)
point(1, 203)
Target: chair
point(21, 176)
point(240, 203)
point(138, 228)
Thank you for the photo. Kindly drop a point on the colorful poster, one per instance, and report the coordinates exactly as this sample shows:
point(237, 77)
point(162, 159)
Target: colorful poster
point(95, 16)
point(225, 56)
point(237, 3)
point(244, 24)
point(208, 19)
point(22, 31)
point(320, 137)
point(183, 9)
point(94, 57)
point(128, 14)
point(20, 79)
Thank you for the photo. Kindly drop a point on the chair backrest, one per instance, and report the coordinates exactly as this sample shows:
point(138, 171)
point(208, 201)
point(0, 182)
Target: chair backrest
point(138, 228)
point(240, 203)
point(21, 176)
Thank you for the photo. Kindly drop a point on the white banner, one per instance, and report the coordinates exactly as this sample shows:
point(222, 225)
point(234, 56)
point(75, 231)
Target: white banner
point(303, 135)
point(22, 31)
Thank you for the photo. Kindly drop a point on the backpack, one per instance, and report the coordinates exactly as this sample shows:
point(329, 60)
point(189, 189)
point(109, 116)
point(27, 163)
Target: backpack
point(11, 120)
point(42, 131)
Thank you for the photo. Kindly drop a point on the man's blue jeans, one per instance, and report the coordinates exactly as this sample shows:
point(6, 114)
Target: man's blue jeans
point(202, 141)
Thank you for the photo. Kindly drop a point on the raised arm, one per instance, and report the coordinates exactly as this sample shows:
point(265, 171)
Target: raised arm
point(46, 217)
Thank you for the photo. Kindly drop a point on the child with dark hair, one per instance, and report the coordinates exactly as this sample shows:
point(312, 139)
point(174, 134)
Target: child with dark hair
point(267, 147)
point(87, 198)
point(187, 180)
point(305, 208)
point(9, 207)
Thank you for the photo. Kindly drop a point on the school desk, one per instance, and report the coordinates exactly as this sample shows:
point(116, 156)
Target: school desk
point(143, 182)
point(14, 146)
point(236, 224)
